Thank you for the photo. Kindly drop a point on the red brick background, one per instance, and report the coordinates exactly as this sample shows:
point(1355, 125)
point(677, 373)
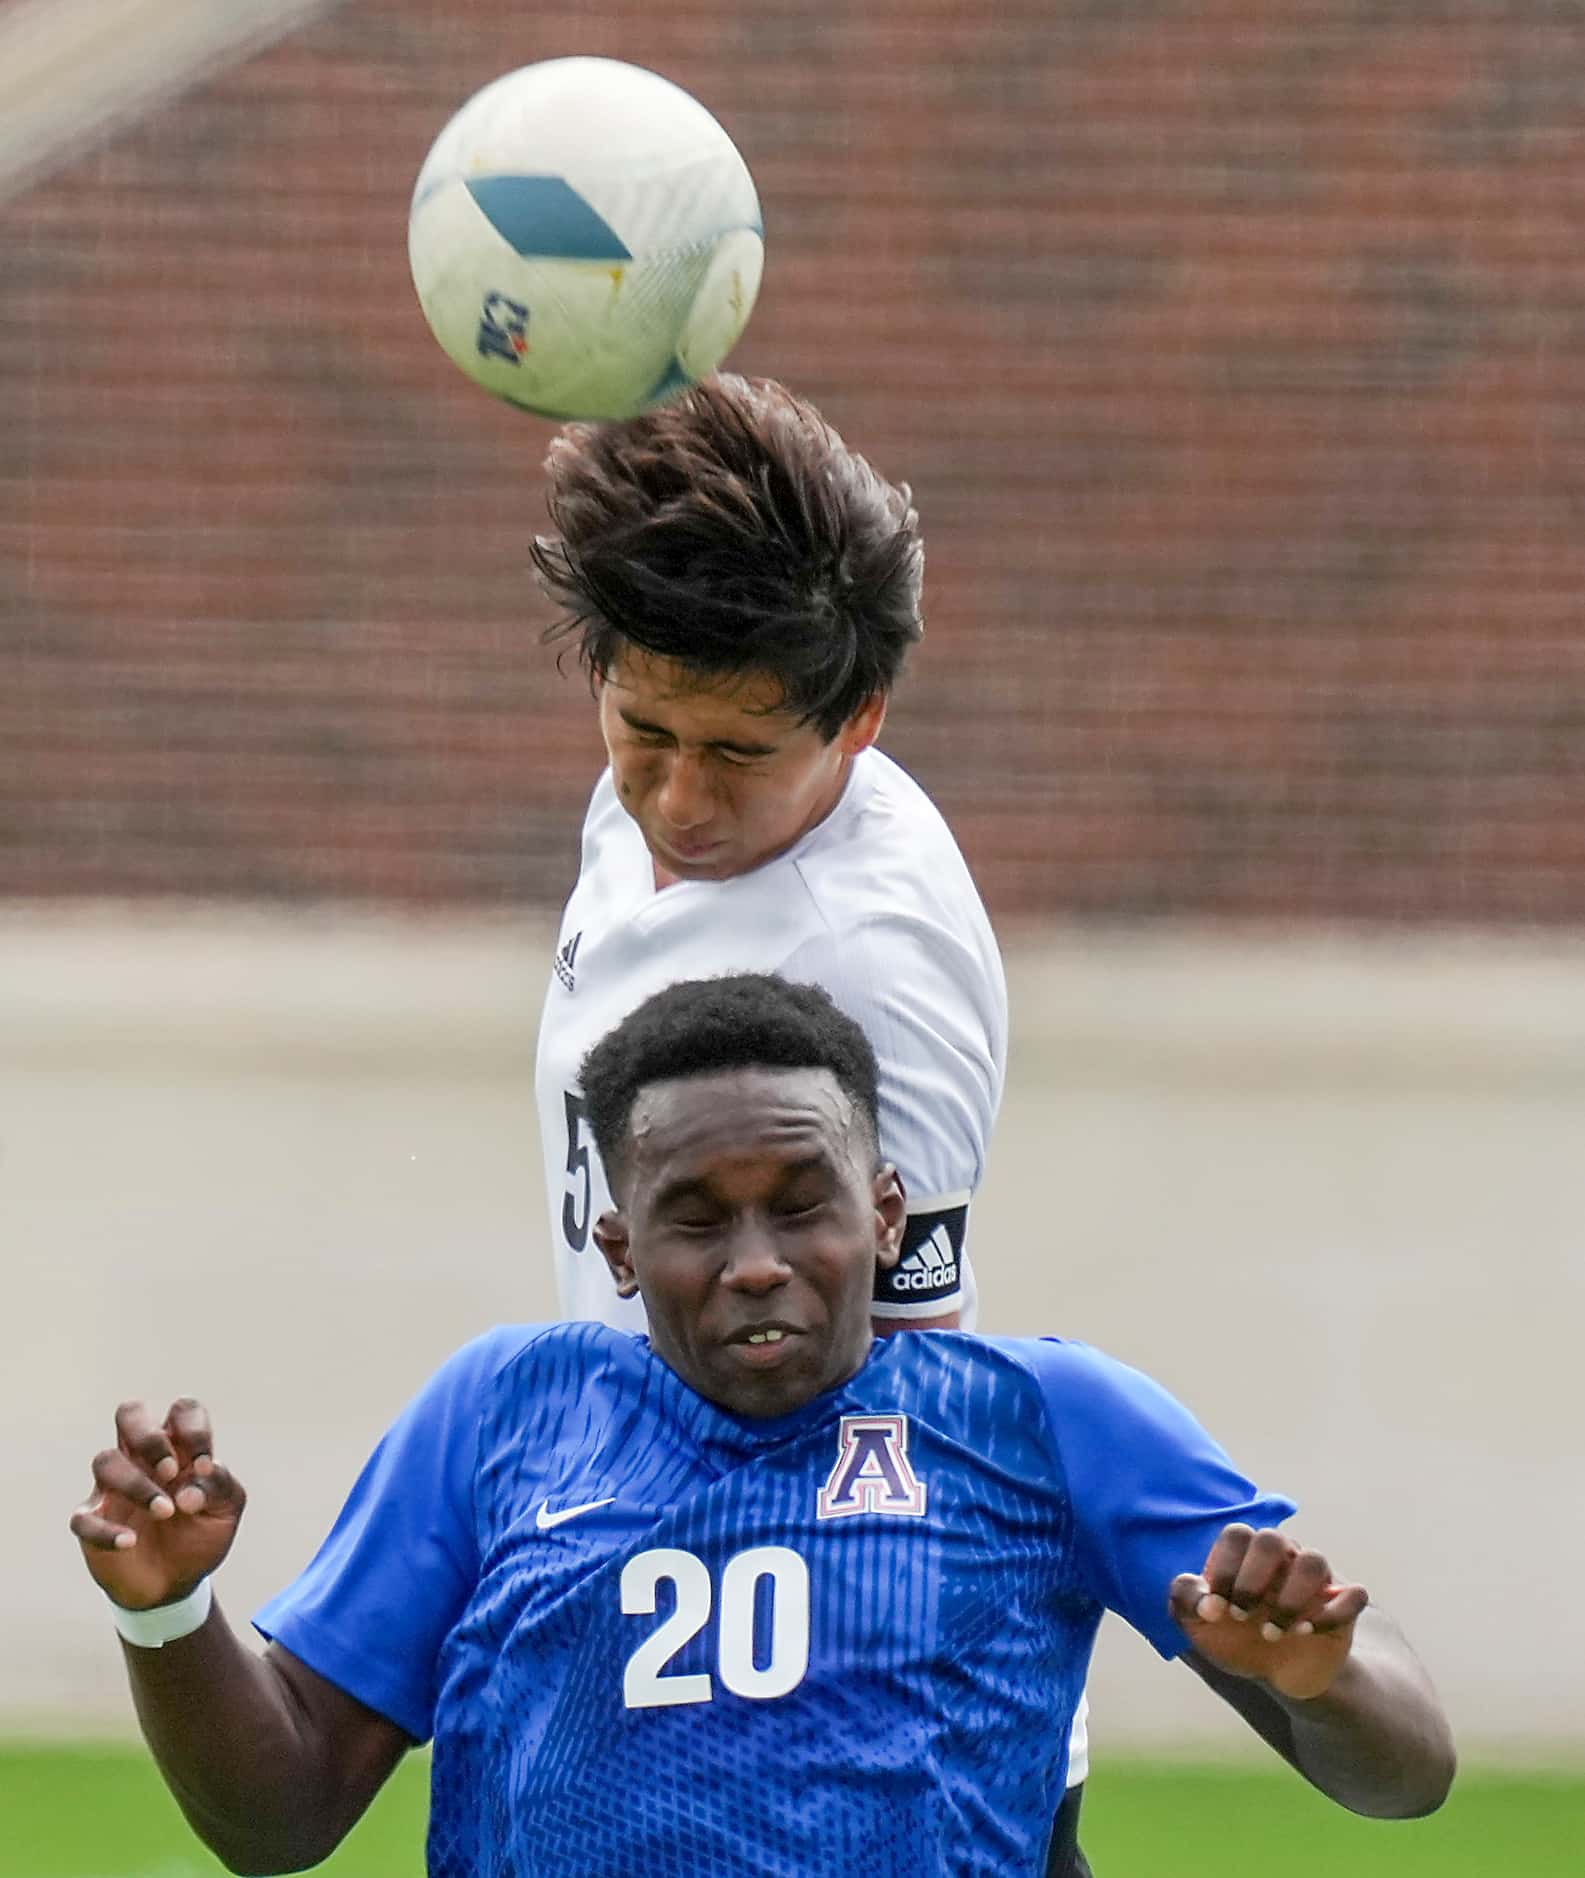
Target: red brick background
point(1236, 354)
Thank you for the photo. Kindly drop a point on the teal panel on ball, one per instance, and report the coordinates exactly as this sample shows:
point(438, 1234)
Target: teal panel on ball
point(545, 216)
point(671, 384)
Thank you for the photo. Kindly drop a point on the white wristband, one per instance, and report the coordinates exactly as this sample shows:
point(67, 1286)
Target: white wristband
point(152, 1630)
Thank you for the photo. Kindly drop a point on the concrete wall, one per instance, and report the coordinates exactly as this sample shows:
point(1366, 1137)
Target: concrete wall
point(1330, 1193)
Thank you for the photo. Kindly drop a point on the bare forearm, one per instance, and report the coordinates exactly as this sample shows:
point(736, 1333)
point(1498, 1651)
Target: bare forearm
point(237, 1750)
point(1377, 1742)
point(270, 1762)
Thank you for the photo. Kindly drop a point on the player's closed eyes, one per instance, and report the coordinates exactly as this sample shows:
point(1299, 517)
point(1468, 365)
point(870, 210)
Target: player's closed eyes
point(802, 1210)
point(656, 737)
point(700, 1225)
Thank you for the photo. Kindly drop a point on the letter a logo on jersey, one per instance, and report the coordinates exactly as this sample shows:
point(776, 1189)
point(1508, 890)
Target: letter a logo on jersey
point(872, 1474)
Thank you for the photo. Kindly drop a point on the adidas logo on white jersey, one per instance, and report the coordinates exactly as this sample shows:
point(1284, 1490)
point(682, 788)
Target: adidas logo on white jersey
point(931, 1266)
point(566, 959)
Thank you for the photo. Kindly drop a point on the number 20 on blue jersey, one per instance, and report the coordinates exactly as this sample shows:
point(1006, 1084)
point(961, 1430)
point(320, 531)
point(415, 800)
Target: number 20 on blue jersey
point(760, 1675)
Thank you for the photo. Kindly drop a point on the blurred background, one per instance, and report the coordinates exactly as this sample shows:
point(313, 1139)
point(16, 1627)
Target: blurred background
point(1235, 355)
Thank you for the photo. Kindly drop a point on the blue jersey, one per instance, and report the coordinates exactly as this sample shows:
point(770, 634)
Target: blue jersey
point(649, 1636)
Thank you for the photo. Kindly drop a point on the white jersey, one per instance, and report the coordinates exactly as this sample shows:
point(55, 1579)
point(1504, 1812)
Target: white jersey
point(875, 904)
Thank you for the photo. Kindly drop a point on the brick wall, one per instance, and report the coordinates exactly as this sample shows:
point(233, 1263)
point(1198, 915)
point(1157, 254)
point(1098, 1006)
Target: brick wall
point(1236, 355)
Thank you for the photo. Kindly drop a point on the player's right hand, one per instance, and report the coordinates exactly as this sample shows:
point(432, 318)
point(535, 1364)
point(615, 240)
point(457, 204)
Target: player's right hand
point(163, 1512)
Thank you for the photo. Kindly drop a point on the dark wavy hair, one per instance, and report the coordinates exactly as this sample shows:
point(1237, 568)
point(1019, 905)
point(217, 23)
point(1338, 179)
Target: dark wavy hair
point(703, 1026)
point(734, 532)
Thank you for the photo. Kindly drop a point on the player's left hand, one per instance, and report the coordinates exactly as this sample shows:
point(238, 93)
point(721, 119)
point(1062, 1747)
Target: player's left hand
point(1267, 1609)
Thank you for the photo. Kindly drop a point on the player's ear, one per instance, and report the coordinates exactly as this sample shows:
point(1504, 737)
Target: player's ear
point(891, 1216)
point(864, 726)
point(611, 1236)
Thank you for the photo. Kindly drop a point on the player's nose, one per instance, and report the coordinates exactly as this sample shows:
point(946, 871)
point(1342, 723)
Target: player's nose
point(754, 1263)
point(685, 798)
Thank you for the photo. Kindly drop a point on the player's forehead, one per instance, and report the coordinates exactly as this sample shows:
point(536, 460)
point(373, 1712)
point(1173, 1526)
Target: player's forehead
point(668, 692)
point(710, 1126)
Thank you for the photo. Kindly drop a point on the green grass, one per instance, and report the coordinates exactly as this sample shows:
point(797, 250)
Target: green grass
point(78, 1812)
point(1144, 1821)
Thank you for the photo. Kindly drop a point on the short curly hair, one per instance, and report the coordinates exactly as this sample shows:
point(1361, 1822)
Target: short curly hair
point(705, 1026)
point(734, 532)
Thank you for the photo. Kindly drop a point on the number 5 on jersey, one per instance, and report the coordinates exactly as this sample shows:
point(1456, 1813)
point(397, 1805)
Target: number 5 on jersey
point(579, 1197)
point(758, 1674)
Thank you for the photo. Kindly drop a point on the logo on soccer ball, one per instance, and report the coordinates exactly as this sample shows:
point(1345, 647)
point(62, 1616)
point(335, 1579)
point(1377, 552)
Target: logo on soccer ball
point(872, 1474)
point(503, 329)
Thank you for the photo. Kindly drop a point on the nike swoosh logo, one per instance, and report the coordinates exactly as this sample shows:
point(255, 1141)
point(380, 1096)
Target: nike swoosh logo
point(545, 1518)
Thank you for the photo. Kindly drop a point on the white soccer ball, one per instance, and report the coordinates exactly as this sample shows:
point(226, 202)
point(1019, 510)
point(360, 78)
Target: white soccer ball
point(585, 239)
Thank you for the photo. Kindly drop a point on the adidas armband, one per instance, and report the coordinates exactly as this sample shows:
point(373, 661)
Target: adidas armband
point(926, 1281)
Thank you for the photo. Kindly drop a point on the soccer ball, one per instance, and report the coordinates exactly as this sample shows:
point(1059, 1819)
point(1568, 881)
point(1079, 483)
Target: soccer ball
point(585, 239)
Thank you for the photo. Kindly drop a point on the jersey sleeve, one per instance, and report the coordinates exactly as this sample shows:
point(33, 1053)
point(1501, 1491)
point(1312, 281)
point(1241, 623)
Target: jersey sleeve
point(373, 1608)
point(1150, 1489)
point(937, 1022)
